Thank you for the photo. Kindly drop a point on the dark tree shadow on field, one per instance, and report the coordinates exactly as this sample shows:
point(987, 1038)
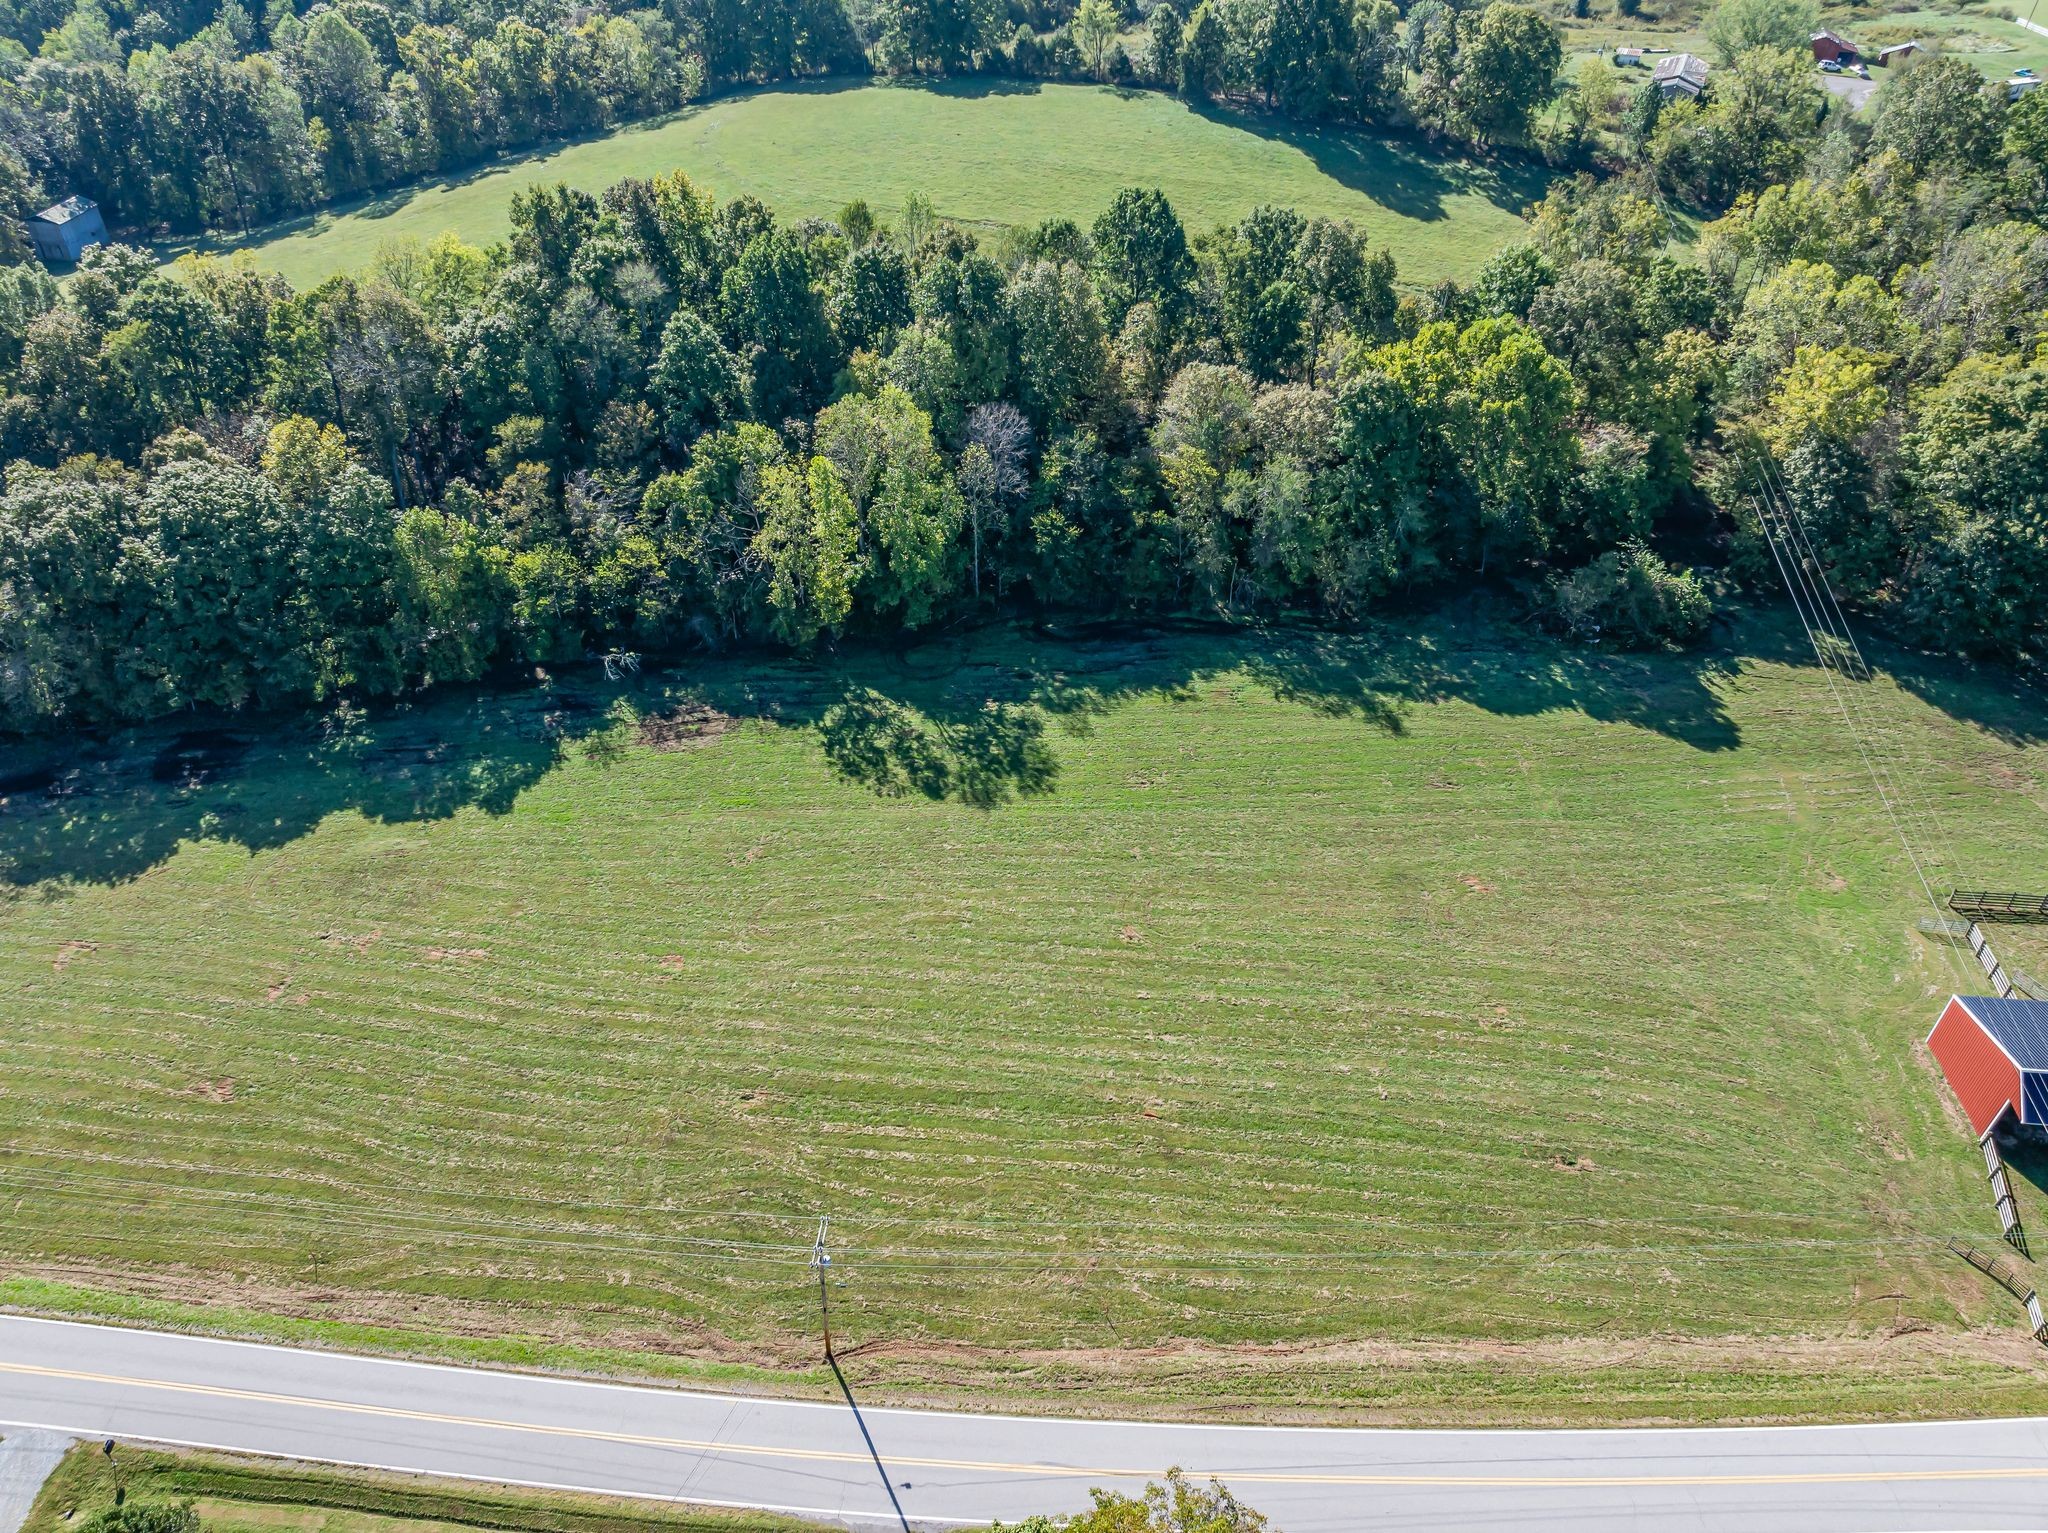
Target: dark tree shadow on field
point(983, 759)
point(1401, 175)
point(2011, 709)
point(969, 717)
point(966, 87)
point(105, 811)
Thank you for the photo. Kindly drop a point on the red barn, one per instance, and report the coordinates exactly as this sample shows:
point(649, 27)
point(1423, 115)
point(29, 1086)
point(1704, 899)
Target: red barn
point(1833, 46)
point(1995, 1054)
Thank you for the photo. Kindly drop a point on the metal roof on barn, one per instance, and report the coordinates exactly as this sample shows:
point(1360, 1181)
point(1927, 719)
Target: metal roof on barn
point(1689, 67)
point(70, 208)
point(2017, 1026)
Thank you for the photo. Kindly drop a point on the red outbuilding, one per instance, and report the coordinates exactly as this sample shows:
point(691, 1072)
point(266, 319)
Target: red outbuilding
point(1995, 1054)
point(1833, 46)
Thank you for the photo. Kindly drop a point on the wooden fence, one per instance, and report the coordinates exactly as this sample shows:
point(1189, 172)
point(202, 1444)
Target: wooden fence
point(2001, 1272)
point(1992, 905)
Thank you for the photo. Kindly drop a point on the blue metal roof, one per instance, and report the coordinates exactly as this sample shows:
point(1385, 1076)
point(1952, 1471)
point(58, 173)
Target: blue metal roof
point(2020, 1027)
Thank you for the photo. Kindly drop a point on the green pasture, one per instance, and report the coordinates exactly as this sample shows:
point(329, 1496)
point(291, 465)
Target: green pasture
point(1126, 998)
point(990, 153)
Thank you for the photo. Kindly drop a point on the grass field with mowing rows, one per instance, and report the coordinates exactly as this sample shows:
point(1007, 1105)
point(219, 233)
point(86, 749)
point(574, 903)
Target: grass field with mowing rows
point(991, 153)
point(1430, 1022)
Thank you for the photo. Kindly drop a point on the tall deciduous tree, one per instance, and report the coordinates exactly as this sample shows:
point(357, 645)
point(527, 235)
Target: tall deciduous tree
point(1507, 70)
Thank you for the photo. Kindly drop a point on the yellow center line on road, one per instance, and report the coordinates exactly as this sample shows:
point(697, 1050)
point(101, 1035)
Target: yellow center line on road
point(1234, 1476)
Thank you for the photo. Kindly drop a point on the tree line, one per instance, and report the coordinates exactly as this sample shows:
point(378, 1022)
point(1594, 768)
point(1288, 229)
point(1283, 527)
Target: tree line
point(185, 118)
point(649, 422)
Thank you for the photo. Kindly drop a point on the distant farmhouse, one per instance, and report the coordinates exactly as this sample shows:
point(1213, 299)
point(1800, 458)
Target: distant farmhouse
point(1683, 74)
point(1832, 47)
point(1897, 53)
point(66, 231)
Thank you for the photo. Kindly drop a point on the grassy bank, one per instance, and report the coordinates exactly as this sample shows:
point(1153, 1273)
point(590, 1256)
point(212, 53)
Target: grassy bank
point(993, 153)
point(233, 1494)
point(1426, 1022)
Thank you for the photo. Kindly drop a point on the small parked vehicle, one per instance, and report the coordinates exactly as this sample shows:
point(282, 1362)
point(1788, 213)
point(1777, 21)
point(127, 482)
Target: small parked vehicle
point(1830, 66)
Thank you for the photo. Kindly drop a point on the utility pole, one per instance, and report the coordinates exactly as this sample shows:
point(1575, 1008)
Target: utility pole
point(821, 1259)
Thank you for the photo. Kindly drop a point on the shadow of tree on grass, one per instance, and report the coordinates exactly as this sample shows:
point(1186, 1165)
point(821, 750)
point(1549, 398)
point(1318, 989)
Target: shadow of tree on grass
point(966, 717)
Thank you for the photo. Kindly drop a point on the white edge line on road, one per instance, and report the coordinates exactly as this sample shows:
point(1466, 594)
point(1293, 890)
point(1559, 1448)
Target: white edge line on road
point(740, 1396)
point(89, 1433)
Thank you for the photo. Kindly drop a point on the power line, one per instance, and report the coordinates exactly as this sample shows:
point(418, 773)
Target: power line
point(1922, 805)
point(1807, 605)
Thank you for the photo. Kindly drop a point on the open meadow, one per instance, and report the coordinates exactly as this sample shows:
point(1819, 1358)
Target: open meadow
point(994, 153)
point(1434, 1020)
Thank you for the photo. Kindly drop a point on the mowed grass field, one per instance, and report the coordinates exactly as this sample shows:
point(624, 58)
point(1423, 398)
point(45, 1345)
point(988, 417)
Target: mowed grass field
point(993, 153)
point(1430, 1024)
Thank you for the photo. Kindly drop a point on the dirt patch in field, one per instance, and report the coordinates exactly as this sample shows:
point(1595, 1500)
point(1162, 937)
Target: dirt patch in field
point(1130, 934)
point(222, 1090)
point(673, 962)
point(358, 944)
point(2001, 776)
point(198, 757)
point(69, 952)
point(684, 726)
point(453, 954)
point(1477, 884)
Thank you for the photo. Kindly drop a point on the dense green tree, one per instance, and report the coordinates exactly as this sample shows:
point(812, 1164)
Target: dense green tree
point(871, 298)
point(1375, 58)
point(908, 510)
point(1310, 47)
point(774, 321)
point(1507, 69)
point(71, 606)
point(1201, 54)
point(1265, 310)
point(1062, 351)
point(229, 624)
point(1162, 42)
point(942, 35)
point(1144, 257)
point(1094, 28)
point(696, 381)
point(1940, 116)
point(1493, 404)
point(1979, 456)
point(1736, 27)
point(809, 544)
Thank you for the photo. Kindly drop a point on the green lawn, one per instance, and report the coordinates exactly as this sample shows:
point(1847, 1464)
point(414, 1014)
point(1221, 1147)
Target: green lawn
point(232, 1494)
point(1545, 1021)
point(992, 153)
point(1996, 46)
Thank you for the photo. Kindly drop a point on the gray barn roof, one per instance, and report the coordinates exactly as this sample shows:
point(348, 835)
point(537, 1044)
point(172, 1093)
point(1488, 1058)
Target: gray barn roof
point(1689, 67)
point(70, 208)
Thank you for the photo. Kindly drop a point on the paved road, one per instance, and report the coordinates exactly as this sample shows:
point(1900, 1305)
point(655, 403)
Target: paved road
point(948, 1470)
point(1853, 89)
